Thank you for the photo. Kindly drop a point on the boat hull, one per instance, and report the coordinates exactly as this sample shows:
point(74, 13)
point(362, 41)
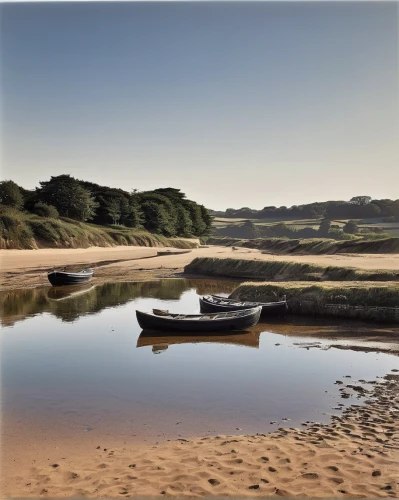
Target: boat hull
point(268, 309)
point(59, 278)
point(151, 322)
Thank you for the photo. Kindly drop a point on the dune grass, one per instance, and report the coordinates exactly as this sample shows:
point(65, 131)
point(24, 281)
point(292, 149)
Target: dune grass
point(20, 230)
point(311, 246)
point(355, 300)
point(283, 271)
point(353, 293)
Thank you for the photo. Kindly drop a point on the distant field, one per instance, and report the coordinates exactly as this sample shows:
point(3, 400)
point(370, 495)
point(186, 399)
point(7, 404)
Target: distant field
point(391, 228)
point(224, 221)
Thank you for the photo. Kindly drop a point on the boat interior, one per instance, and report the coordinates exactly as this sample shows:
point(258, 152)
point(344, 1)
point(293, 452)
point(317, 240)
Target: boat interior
point(199, 317)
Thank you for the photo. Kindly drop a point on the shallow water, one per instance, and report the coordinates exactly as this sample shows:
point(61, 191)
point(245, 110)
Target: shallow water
point(78, 367)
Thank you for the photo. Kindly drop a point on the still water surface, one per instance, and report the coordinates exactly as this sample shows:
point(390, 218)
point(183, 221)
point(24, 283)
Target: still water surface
point(80, 365)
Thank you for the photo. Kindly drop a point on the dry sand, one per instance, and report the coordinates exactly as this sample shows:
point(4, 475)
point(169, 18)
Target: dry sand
point(357, 455)
point(27, 268)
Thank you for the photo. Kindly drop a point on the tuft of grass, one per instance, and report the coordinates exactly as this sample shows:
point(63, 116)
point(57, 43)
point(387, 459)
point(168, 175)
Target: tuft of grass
point(283, 271)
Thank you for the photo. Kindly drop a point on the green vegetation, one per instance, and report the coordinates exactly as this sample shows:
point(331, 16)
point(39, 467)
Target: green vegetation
point(248, 229)
point(336, 230)
point(311, 246)
point(283, 271)
point(22, 230)
point(366, 301)
point(359, 207)
point(55, 214)
point(11, 195)
point(361, 217)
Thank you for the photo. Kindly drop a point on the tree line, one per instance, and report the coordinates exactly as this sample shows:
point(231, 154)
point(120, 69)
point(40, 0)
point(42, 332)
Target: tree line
point(359, 207)
point(164, 211)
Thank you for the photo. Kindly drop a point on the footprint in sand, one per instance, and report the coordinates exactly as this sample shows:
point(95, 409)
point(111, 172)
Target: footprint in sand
point(73, 475)
point(213, 482)
point(310, 475)
point(336, 480)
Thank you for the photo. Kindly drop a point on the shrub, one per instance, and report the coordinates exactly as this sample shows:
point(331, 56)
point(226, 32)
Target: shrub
point(44, 210)
point(10, 194)
point(350, 227)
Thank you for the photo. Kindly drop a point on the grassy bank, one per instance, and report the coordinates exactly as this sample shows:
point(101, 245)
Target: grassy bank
point(311, 246)
point(366, 301)
point(283, 271)
point(25, 231)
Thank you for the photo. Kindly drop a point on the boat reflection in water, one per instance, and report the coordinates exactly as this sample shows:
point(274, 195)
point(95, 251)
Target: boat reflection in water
point(58, 293)
point(161, 343)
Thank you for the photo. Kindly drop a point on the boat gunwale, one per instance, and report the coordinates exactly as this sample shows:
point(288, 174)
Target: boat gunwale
point(193, 317)
point(79, 274)
point(241, 302)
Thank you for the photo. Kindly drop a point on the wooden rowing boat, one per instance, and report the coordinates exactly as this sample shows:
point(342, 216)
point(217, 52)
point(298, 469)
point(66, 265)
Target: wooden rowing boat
point(214, 303)
point(61, 278)
point(225, 321)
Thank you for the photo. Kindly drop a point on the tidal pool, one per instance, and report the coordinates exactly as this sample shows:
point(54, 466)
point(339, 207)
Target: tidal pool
point(78, 369)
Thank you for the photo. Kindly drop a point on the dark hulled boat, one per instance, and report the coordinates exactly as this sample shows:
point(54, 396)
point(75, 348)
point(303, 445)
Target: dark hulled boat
point(61, 278)
point(213, 303)
point(225, 321)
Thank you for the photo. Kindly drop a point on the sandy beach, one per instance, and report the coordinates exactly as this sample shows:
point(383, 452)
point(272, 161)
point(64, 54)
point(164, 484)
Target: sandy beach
point(28, 268)
point(356, 455)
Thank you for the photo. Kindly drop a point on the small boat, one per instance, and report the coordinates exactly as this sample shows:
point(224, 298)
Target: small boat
point(214, 303)
point(225, 321)
point(61, 278)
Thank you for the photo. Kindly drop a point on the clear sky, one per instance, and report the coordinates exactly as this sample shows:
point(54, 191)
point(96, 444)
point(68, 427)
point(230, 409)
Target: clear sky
point(237, 104)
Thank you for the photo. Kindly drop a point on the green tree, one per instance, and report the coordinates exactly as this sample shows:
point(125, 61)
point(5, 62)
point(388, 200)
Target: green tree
point(184, 226)
point(199, 226)
point(114, 210)
point(60, 191)
point(324, 228)
point(69, 197)
point(207, 219)
point(156, 219)
point(85, 205)
point(135, 218)
point(350, 227)
point(361, 200)
point(10, 194)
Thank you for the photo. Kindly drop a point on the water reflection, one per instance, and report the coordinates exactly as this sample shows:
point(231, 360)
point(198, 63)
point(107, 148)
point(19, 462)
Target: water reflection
point(85, 364)
point(163, 342)
point(58, 293)
point(71, 302)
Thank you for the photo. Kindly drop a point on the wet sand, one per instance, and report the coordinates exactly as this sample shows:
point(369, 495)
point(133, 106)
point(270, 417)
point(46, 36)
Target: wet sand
point(28, 268)
point(356, 455)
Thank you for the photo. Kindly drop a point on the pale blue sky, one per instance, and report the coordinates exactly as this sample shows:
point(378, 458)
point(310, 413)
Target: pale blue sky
point(237, 104)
